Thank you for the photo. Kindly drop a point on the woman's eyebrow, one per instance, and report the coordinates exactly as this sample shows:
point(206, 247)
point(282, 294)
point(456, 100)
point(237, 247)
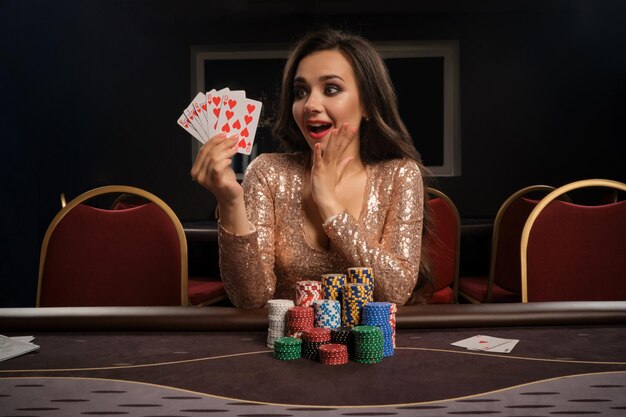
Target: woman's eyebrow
point(322, 78)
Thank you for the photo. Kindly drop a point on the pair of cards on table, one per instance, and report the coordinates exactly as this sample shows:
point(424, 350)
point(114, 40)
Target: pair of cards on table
point(487, 344)
point(11, 347)
point(223, 111)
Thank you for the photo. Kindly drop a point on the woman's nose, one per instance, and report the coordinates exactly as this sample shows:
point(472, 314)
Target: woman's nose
point(313, 103)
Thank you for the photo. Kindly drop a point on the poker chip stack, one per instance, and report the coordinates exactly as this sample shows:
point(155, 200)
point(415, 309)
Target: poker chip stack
point(368, 344)
point(332, 285)
point(333, 354)
point(312, 339)
point(307, 292)
point(277, 315)
point(288, 348)
point(377, 314)
point(363, 275)
point(392, 321)
point(327, 313)
point(299, 319)
point(355, 296)
point(343, 336)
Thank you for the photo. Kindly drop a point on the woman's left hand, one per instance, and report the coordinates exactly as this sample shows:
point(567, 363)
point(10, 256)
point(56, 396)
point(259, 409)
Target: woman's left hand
point(329, 164)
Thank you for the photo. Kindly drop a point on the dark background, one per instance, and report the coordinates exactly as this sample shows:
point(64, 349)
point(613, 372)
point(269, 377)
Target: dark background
point(91, 91)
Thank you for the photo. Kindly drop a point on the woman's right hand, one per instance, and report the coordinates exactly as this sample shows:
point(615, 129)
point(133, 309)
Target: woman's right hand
point(212, 169)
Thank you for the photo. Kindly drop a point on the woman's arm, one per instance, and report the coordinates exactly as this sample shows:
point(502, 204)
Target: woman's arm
point(247, 260)
point(396, 257)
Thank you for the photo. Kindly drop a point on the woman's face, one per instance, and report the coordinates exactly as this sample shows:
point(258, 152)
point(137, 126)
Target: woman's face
point(325, 96)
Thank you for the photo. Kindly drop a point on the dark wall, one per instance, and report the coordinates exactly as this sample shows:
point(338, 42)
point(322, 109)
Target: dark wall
point(91, 91)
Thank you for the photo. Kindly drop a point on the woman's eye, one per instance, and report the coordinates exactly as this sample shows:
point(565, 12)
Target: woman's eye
point(299, 93)
point(332, 90)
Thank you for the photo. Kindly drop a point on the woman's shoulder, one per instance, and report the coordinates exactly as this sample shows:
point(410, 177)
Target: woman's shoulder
point(398, 168)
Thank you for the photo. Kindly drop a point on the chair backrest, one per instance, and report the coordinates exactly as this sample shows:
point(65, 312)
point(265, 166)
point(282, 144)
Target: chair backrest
point(572, 252)
point(504, 267)
point(126, 257)
point(443, 242)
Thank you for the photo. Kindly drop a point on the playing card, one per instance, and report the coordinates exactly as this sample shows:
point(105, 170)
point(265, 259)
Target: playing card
point(484, 343)
point(186, 124)
point(505, 347)
point(231, 104)
point(245, 124)
point(192, 117)
point(200, 105)
point(223, 111)
point(214, 106)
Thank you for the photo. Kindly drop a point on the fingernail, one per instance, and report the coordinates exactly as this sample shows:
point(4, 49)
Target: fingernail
point(221, 135)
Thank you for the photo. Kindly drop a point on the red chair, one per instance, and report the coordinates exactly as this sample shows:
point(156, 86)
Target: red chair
point(97, 257)
point(574, 252)
point(503, 284)
point(203, 291)
point(443, 245)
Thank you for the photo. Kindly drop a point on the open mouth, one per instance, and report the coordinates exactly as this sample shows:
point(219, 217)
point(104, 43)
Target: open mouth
point(318, 130)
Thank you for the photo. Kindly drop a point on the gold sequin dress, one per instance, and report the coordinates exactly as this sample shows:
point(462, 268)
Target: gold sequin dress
point(267, 262)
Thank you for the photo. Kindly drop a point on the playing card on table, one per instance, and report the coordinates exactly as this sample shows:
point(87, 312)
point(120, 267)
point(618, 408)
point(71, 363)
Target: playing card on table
point(487, 344)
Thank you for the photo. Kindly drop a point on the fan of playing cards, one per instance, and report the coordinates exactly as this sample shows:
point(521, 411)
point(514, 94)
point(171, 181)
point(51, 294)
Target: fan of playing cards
point(223, 111)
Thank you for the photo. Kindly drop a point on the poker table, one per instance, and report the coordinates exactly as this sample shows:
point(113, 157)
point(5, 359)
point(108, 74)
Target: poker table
point(196, 361)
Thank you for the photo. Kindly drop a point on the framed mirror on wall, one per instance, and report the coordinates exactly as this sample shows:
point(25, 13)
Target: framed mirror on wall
point(425, 75)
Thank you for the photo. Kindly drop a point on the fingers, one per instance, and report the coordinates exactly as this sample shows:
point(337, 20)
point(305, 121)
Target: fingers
point(338, 141)
point(214, 157)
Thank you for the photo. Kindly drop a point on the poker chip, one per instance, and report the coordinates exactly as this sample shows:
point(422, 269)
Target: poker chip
point(363, 275)
point(377, 314)
point(333, 354)
point(287, 348)
point(277, 317)
point(393, 309)
point(312, 339)
point(327, 313)
point(307, 292)
point(332, 286)
point(368, 344)
point(343, 336)
point(355, 296)
point(299, 319)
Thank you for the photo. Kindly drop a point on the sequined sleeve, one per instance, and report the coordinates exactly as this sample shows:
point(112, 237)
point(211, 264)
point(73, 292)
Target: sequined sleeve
point(246, 262)
point(396, 257)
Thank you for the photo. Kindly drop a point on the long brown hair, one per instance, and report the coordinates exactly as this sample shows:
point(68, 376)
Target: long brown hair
point(383, 134)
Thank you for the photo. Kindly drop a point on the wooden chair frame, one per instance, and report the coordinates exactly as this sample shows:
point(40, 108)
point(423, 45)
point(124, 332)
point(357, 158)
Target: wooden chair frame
point(184, 291)
point(537, 211)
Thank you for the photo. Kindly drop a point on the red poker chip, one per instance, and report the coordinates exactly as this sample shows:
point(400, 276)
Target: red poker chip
point(333, 348)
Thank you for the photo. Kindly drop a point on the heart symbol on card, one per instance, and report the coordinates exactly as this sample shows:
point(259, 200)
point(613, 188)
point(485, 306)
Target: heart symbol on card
point(251, 108)
point(216, 112)
point(191, 117)
point(229, 114)
point(232, 103)
point(204, 106)
point(237, 125)
point(242, 143)
point(247, 119)
point(226, 127)
point(245, 132)
point(216, 100)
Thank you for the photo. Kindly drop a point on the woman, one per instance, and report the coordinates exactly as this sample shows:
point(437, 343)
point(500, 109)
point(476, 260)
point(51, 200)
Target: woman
point(349, 193)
